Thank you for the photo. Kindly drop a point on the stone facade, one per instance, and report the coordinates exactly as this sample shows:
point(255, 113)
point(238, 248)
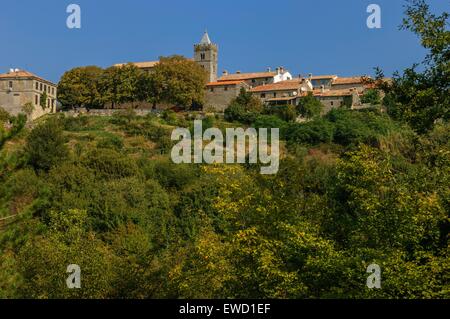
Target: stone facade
point(206, 55)
point(218, 95)
point(18, 88)
point(338, 98)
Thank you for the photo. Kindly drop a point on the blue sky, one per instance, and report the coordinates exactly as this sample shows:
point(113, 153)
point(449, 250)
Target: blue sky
point(320, 36)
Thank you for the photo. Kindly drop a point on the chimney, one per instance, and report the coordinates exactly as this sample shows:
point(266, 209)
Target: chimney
point(269, 69)
point(225, 72)
point(278, 70)
point(281, 69)
point(11, 71)
point(16, 70)
point(238, 72)
point(310, 76)
point(322, 88)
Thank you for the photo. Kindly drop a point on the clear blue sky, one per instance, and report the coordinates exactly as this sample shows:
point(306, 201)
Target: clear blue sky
point(315, 36)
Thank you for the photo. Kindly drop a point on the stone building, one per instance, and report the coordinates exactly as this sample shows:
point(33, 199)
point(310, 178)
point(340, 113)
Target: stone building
point(338, 98)
point(206, 55)
point(285, 92)
point(218, 95)
point(258, 78)
point(357, 82)
point(18, 87)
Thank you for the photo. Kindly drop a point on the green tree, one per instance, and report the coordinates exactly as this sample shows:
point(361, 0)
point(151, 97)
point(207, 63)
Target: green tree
point(45, 146)
point(244, 108)
point(422, 98)
point(28, 109)
point(179, 81)
point(309, 106)
point(371, 97)
point(120, 85)
point(80, 87)
point(43, 100)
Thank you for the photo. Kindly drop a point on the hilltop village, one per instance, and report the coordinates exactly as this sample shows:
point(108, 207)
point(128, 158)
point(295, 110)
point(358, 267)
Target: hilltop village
point(19, 88)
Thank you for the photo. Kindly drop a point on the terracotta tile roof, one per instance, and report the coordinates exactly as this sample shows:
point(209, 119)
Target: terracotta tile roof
point(247, 76)
point(223, 83)
point(279, 86)
point(330, 93)
point(349, 80)
point(24, 75)
point(141, 65)
point(323, 77)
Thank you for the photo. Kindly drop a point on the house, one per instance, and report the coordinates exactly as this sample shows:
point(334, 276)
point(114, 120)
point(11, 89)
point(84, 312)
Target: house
point(358, 82)
point(284, 92)
point(319, 81)
point(219, 95)
point(19, 87)
point(337, 98)
point(258, 78)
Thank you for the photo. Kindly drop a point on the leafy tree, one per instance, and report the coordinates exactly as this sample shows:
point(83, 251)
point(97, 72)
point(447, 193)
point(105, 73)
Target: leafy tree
point(120, 85)
point(4, 115)
point(309, 106)
point(43, 100)
point(422, 98)
point(286, 112)
point(45, 146)
point(179, 81)
point(244, 108)
point(371, 97)
point(80, 87)
point(28, 109)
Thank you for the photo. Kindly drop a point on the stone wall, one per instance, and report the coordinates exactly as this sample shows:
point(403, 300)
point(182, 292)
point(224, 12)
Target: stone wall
point(221, 96)
point(24, 91)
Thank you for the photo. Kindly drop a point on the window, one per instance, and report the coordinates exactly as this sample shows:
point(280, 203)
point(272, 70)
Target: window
point(331, 103)
point(263, 95)
point(45, 87)
point(37, 85)
point(53, 91)
point(225, 88)
point(275, 95)
point(36, 99)
point(253, 81)
point(48, 102)
point(40, 87)
point(10, 84)
point(211, 89)
point(202, 56)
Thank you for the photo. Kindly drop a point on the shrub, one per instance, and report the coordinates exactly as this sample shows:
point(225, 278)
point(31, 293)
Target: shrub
point(314, 132)
point(45, 145)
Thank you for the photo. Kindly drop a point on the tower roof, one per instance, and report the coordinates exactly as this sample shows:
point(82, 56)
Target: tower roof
point(205, 39)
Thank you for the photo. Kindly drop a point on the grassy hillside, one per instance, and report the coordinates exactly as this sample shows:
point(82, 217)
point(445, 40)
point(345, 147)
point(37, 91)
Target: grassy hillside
point(353, 189)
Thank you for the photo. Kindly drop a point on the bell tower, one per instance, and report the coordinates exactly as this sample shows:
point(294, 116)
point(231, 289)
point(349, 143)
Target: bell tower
point(206, 55)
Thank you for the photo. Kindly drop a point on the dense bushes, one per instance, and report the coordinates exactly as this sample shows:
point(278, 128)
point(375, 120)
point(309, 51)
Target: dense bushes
point(46, 145)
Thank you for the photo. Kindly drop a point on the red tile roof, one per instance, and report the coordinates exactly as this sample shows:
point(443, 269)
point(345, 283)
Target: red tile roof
point(323, 77)
point(223, 83)
point(279, 86)
point(247, 76)
point(141, 65)
point(22, 74)
point(349, 80)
